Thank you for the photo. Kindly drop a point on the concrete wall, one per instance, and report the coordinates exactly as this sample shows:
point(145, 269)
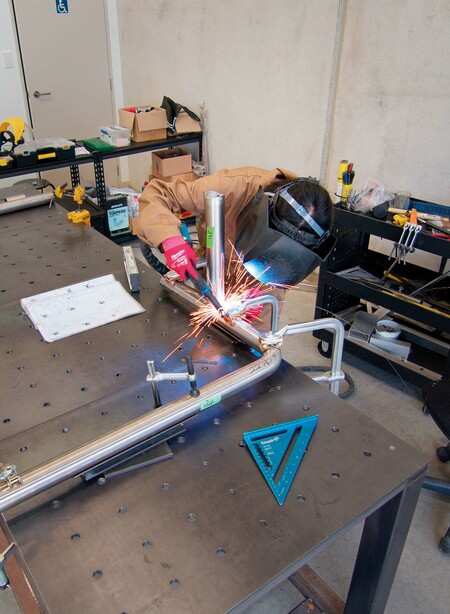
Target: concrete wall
point(263, 71)
point(260, 69)
point(392, 115)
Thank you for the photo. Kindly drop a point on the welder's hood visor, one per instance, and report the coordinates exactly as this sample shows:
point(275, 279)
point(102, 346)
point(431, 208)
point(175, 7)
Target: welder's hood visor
point(269, 254)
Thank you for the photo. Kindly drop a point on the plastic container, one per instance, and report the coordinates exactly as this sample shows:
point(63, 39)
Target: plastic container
point(44, 150)
point(117, 136)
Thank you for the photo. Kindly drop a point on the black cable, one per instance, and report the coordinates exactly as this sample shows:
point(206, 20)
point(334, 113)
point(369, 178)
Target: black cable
point(153, 261)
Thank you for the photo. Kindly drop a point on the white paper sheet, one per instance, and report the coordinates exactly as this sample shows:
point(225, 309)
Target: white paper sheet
point(73, 309)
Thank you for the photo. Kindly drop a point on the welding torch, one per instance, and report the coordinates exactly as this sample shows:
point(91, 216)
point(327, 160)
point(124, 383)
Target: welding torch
point(206, 291)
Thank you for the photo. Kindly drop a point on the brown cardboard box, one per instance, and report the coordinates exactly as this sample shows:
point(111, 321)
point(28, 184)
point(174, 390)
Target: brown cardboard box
point(173, 161)
point(185, 123)
point(145, 126)
point(184, 176)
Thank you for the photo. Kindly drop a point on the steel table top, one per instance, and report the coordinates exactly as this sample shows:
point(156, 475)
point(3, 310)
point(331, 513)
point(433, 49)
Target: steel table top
point(200, 532)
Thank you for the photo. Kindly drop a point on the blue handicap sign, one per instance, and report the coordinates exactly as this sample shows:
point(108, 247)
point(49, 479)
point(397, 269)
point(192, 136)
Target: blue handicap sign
point(62, 6)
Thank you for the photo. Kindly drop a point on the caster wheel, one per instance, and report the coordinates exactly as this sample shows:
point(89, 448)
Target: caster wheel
point(444, 544)
point(324, 349)
point(443, 453)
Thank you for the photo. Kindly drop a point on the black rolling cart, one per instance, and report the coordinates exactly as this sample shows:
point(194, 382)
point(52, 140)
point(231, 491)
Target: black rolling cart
point(425, 326)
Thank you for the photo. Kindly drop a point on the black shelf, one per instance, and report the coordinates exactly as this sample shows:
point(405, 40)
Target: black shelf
point(96, 158)
point(337, 293)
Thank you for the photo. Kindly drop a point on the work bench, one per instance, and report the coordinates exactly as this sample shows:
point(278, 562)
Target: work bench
point(200, 532)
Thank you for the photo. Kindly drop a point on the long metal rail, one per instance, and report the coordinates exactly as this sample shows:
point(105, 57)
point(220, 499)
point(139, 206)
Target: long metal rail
point(72, 463)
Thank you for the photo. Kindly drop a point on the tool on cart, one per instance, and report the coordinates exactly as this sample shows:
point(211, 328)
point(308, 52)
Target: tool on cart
point(405, 245)
point(281, 448)
point(131, 268)
point(79, 216)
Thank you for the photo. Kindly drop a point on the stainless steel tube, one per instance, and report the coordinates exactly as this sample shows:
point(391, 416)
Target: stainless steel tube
point(243, 331)
point(246, 332)
point(215, 242)
point(72, 463)
point(263, 300)
point(25, 203)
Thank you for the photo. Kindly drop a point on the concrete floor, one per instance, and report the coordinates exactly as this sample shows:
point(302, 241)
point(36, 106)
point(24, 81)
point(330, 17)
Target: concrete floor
point(422, 581)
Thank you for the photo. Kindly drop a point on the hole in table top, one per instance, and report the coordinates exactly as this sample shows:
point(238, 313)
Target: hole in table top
point(263, 524)
point(335, 475)
point(146, 544)
point(174, 583)
point(220, 552)
point(75, 537)
point(335, 429)
point(97, 574)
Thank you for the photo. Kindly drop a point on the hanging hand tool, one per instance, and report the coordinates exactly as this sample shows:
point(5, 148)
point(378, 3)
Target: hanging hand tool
point(405, 245)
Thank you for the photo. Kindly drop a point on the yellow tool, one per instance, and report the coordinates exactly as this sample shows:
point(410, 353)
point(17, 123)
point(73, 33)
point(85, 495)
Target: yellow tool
point(79, 216)
point(11, 131)
point(400, 219)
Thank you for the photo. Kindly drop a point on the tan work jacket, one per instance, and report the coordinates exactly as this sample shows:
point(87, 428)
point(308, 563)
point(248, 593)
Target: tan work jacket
point(161, 200)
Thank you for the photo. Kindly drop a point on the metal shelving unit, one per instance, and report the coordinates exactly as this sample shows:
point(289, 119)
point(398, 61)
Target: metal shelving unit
point(426, 327)
point(96, 158)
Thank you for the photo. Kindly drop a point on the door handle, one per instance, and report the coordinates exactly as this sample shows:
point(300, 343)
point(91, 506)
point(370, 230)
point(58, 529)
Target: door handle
point(38, 94)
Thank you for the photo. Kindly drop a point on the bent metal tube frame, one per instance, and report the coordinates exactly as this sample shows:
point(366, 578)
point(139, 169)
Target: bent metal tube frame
point(17, 488)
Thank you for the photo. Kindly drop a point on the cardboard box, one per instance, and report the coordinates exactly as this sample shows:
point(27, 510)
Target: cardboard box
point(173, 161)
point(171, 178)
point(185, 123)
point(145, 125)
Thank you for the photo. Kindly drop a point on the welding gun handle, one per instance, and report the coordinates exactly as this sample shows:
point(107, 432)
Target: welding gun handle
point(205, 290)
point(199, 283)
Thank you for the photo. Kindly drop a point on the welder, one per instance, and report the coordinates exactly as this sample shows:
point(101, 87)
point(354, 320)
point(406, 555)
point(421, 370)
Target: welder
point(278, 222)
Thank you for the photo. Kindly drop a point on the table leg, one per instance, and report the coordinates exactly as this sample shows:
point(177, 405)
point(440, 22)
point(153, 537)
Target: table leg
point(380, 549)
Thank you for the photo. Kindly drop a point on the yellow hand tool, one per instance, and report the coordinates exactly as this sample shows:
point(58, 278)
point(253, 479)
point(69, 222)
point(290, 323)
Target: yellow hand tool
point(400, 219)
point(81, 216)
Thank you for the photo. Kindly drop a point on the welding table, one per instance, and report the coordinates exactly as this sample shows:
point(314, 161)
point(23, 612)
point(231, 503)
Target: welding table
point(200, 532)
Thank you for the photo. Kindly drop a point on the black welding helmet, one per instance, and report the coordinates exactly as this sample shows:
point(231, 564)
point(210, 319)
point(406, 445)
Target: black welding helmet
point(274, 250)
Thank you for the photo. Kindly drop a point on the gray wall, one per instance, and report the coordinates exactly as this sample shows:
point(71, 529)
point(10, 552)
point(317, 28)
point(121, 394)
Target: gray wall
point(263, 72)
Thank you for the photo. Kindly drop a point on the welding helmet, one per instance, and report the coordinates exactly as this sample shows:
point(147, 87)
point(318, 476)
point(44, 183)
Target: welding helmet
point(275, 250)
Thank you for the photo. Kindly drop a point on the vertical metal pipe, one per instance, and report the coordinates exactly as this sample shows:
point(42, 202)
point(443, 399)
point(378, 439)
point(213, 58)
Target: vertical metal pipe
point(215, 243)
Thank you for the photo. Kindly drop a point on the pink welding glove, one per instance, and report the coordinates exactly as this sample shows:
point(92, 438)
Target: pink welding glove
point(252, 313)
point(180, 257)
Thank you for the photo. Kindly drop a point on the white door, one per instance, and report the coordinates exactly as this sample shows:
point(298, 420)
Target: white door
point(66, 70)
